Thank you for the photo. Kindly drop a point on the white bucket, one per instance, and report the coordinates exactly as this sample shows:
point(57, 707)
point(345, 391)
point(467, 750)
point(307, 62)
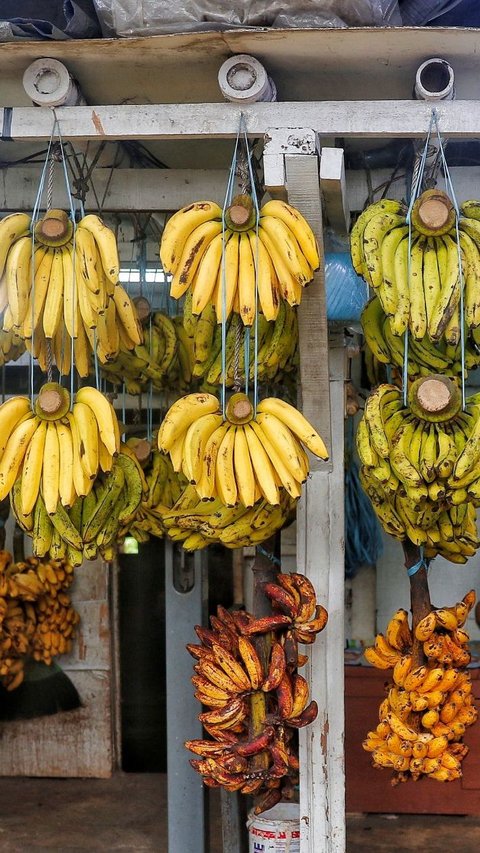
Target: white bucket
point(275, 831)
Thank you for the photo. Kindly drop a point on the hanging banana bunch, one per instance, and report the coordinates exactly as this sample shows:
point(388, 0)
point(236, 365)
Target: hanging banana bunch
point(242, 457)
point(421, 465)
point(425, 356)
point(55, 450)
point(11, 347)
point(427, 303)
point(60, 283)
point(252, 708)
point(428, 707)
point(277, 343)
point(173, 508)
point(163, 362)
point(281, 261)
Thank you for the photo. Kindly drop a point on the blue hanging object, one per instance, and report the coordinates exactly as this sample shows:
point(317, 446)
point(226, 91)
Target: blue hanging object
point(346, 291)
point(363, 534)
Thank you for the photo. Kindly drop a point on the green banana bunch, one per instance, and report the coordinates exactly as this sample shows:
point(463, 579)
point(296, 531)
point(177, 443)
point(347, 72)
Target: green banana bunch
point(425, 356)
point(163, 359)
point(171, 507)
point(11, 346)
point(421, 465)
point(418, 278)
point(91, 525)
point(277, 343)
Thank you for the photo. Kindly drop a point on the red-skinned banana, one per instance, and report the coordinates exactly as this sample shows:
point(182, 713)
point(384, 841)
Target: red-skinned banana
point(232, 668)
point(265, 624)
point(281, 598)
point(308, 598)
point(257, 744)
point(276, 668)
point(207, 747)
point(306, 717)
point(284, 694)
point(251, 661)
point(231, 713)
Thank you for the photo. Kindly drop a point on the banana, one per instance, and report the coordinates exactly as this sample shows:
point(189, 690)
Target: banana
point(179, 228)
point(261, 463)
point(106, 245)
point(357, 232)
point(296, 422)
point(399, 321)
point(14, 453)
point(450, 292)
point(18, 278)
point(289, 285)
point(88, 437)
point(12, 411)
point(387, 287)
point(247, 291)
point(207, 273)
point(299, 227)
point(244, 473)
point(32, 469)
point(12, 228)
point(418, 311)
point(267, 283)
point(251, 661)
point(196, 438)
point(225, 481)
point(181, 415)
point(228, 279)
point(111, 490)
point(193, 251)
point(53, 307)
point(104, 415)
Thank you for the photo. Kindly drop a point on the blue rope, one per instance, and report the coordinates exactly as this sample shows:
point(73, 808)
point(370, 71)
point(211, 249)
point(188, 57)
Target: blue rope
point(268, 554)
point(257, 222)
point(422, 564)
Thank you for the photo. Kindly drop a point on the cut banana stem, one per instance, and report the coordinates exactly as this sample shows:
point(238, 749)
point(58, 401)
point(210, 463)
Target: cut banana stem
point(435, 398)
point(239, 409)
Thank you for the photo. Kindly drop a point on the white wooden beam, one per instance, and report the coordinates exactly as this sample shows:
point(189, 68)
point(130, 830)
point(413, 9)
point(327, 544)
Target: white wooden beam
point(334, 190)
point(363, 119)
point(122, 189)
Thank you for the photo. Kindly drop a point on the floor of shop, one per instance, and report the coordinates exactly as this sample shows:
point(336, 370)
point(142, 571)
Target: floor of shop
point(128, 812)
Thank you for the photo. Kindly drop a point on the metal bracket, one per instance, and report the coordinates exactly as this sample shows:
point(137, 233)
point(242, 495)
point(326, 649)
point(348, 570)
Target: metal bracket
point(278, 142)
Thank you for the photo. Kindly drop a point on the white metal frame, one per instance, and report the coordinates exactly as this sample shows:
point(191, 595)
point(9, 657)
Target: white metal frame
point(320, 523)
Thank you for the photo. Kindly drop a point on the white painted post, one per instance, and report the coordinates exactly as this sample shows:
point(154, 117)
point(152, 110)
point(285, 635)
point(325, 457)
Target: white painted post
point(320, 545)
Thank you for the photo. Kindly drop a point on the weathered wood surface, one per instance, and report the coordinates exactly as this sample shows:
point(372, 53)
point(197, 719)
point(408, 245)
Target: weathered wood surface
point(75, 743)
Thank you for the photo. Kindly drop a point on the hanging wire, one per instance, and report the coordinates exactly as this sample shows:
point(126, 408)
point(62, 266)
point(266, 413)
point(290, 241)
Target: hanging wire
point(226, 204)
point(257, 221)
point(417, 178)
point(448, 181)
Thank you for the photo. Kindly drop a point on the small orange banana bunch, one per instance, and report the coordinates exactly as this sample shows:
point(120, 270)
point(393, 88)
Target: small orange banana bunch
point(428, 707)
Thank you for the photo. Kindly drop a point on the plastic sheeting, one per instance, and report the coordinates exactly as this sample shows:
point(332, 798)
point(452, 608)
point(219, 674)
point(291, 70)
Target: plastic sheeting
point(153, 17)
point(48, 19)
point(346, 292)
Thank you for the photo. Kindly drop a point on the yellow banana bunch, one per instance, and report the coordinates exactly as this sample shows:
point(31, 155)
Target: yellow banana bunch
point(243, 457)
point(248, 751)
point(52, 452)
point(90, 525)
point(163, 360)
point(276, 345)
point(223, 263)
point(425, 356)
point(419, 285)
point(428, 706)
point(420, 466)
point(36, 616)
point(173, 508)
point(60, 291)
point(11, 347)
